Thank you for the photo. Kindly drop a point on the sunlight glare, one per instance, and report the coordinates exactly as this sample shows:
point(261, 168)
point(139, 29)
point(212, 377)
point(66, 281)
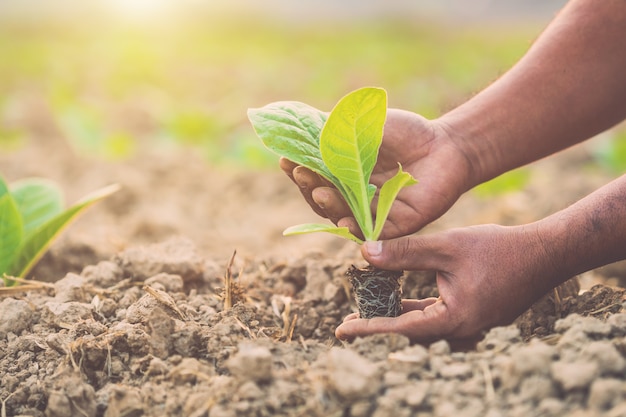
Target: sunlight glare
point(141, 10)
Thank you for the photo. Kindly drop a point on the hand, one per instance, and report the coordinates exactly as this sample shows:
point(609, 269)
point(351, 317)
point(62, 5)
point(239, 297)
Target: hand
point(486, 275)
point(425, 149)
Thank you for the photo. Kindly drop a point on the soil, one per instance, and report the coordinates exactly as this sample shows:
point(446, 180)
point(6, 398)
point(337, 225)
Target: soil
point(141, 308)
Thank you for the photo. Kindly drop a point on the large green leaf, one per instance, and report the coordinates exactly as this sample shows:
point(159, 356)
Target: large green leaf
point(387, 195)
point(34, 246)
point(349, 146)
point(11, 230)
point(38, 200)
point(319, 227)
point(292, 129)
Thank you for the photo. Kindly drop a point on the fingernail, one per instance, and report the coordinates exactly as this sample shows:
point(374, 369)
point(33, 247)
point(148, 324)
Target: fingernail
point(320, 200)
point(299, 178)
point(374, 248)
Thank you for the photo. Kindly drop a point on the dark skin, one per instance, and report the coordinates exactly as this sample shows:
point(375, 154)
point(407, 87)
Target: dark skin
point(568, 87)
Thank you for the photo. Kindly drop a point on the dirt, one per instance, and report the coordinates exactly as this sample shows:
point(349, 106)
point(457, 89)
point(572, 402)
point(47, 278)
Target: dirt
point(130, 316)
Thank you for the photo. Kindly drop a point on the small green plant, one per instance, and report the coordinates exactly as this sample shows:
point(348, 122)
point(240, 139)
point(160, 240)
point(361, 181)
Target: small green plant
point(343, 148)
point(610, 152)
point(31, 216)
point(506, 183)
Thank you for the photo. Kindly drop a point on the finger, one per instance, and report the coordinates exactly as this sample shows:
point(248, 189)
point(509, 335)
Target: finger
point(302, 176)
point(308, 179)
point(407, 305)
point(418, 325)
point(412, 253)
point(287, 166)
point(410, 305)
point(351, 316)
point(305, 179)
point(352, 225)
point(331, 202)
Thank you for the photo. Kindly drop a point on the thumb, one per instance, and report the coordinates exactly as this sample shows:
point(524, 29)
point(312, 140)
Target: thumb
point(412, 253)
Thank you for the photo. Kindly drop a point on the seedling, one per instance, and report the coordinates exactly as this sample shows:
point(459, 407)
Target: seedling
point(31, 216)
point(343, 148)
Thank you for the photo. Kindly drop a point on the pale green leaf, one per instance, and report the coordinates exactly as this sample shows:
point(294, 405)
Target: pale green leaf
point(349, 147)
point(387, 195)
point(318, 227)
point(33, 247)
point(371, 192)
point(292, 129)
point(38, 200)
point(11, 230)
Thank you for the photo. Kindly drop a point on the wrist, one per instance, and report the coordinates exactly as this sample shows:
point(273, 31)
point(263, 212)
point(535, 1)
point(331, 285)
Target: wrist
point(588, 234)
point(477, 156)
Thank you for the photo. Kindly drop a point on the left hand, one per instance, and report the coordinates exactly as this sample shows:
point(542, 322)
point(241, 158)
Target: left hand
point(427, 150)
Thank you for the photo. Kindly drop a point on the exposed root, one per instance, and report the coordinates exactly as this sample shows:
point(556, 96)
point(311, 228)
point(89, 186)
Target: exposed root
point(377, 292)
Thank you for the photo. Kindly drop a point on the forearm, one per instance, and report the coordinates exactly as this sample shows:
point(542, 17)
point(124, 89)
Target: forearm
point(588, 234)
point(568, 87)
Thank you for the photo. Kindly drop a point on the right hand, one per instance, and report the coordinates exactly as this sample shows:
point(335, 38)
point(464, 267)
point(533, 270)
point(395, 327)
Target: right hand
point(487, 275)
point(425, 149)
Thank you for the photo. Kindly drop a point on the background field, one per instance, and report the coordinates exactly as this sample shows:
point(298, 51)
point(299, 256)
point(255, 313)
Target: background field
point(114, 85)
point(126, 91)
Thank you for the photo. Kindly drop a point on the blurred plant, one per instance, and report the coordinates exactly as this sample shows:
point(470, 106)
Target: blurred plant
point(611, 153)
point(508, 182)
point(178, 74)
point(11, 134)
point(192, 126)
point(31, 216)
point(87, 134)
point(10, 138)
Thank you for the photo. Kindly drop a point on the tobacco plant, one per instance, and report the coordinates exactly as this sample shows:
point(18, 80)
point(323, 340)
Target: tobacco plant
point(31, 216)
point(343, 148)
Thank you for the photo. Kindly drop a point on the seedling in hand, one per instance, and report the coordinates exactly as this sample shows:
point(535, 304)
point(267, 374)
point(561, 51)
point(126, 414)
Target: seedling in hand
point(343, 148)
point(31, 216)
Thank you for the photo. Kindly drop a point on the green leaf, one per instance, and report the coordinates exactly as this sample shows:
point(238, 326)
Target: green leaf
point(349, 146)
point(38, 200)
point(318, 227)
point(508, 182)
point(34, 246)
point(388, 193)
point(4, 188)
point(11, 230)
point(292, 129)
